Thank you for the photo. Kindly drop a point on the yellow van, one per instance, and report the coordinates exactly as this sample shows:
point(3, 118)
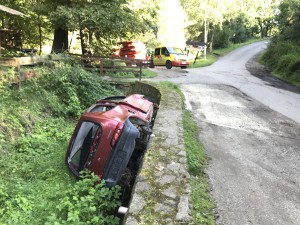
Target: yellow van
point(169, 57)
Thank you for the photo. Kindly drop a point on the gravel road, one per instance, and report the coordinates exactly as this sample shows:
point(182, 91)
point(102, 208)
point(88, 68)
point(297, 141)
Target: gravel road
point(250, 128)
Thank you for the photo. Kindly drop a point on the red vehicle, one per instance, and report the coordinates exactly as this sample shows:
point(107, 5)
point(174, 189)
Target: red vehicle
point(111, 136)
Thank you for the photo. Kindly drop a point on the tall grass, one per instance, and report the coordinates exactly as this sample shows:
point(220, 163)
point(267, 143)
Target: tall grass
point(36, 123)
point(284, 58)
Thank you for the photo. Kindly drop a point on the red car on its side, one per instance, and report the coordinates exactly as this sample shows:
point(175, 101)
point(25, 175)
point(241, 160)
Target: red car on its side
point(110, 136)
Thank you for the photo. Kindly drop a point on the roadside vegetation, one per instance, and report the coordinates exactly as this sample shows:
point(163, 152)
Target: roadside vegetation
point(203, 203)
point(203, 210)
point(37, 119)
point(283, 53)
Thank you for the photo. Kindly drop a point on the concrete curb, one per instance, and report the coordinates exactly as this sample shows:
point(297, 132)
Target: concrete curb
point(162, 192)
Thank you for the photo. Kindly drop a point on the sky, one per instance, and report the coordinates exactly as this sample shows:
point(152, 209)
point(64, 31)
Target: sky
point(171, 24)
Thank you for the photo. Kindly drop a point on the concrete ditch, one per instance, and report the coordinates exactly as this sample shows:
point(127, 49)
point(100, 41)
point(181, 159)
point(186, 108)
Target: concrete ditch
point(161, 194)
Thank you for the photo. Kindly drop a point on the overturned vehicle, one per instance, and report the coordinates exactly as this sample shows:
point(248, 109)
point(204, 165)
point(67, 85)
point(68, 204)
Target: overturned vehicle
point(111, 137)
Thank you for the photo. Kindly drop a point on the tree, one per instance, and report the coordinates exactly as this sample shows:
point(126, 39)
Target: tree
point(242, 18)
point(101, 23)
point(289, 20)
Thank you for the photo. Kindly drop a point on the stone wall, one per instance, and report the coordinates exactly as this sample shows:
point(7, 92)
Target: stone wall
point(161, 194)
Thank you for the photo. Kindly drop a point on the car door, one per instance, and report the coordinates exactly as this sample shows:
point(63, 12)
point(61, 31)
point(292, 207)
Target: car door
point(157, 57)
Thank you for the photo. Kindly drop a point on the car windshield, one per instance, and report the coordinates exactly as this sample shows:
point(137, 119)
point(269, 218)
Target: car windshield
point(82, 144)
point(177, 51)
point(101, 108)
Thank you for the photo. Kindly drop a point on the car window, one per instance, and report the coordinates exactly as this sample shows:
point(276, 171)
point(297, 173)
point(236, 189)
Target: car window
point(101, 108)
point(157, 51)
point(177, 51)
point(82, 143)
point(136, 121)
point(164, 51)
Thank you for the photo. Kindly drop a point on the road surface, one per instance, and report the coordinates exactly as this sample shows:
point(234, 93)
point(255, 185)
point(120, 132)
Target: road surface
point(250, 129)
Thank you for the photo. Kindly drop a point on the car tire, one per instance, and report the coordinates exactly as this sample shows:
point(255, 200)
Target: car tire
point(152, 64)
point(183, 67)
point(168, 64)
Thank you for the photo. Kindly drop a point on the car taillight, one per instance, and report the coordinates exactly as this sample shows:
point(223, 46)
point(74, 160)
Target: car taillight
point(117, 134)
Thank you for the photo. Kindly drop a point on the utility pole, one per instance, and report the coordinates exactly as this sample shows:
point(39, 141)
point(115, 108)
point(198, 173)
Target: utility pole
point(205, 34)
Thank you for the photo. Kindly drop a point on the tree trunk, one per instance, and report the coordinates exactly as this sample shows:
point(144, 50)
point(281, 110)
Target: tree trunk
point(84, 42)
point(60, 41)
point(40, 34)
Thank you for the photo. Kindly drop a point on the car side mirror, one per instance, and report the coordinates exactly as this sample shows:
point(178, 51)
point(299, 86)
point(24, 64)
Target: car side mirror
point(146, 130)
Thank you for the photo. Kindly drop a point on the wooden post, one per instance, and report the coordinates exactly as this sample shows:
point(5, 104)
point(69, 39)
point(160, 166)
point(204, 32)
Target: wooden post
point(196, 57)
point(205, 32)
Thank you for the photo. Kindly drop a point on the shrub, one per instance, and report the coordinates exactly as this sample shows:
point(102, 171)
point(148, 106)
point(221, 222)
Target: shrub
point(282, 55)
point(88, 202)
point(221, 37)
point(288, 63)
point(74, 87)
point(35, 129)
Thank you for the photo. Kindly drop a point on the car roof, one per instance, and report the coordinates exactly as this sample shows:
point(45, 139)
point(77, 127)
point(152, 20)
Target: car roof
point(138, 102)
point(133, 105)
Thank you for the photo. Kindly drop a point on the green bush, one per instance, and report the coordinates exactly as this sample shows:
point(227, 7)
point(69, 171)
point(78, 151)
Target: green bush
point(277, 49)
point(284, 58)
point(222, 37)
point(288, 64)
point(36, 123)
point(74, 87)
point(88, 202)
point(294, 66)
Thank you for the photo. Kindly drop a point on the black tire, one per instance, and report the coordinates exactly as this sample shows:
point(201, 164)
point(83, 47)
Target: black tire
point(168, 64)
point(151, 64)
point(183, 67)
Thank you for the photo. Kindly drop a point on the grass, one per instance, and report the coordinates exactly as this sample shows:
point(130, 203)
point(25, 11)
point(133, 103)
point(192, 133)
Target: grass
point(34, 134)
point(293, 79)
point(284, 65)
point(210, 59)
point(203, 204)
point(33, 174)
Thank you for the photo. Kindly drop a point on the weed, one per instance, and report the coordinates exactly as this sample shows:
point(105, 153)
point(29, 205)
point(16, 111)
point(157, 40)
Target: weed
point(283, 57)
point(36, 123)
point(203, 204)
point(88, 202)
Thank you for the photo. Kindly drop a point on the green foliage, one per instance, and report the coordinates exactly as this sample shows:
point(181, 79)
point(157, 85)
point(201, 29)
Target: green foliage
point(284, 59)
point(34, 133)
point(35, 165)
point(283, 53)
point(88, 202)
point(203, 204)
point(222, 37)
point(289, 20)
point(7, 75)
point(103, 23)
point(75, 88)
point(195, 154)
point(7, 53)
point(229, 21)
point(210, 59)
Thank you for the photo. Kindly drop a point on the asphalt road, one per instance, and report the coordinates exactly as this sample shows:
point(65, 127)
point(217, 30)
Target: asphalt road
point(250, 129)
